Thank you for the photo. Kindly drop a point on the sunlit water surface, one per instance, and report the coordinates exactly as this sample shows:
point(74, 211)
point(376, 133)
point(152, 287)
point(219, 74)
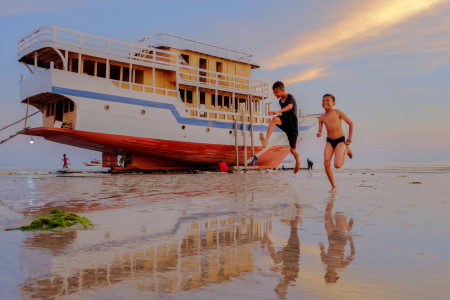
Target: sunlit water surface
point(255, 235)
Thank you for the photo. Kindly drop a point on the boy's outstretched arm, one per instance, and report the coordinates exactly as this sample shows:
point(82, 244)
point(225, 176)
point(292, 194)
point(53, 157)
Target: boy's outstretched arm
point(319, 134)
point(350, 127)
point(287, 108)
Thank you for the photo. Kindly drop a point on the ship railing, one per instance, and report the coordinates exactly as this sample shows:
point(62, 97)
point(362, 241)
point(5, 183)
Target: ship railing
point(218, 80)
point(135, 53)
point(144, 88)
point(95, 45)
point(193, 112)
point(225, 116)
point(175, 41)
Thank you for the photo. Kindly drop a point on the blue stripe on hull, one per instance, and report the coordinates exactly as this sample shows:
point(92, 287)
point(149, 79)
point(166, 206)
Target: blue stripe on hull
point(171, 107)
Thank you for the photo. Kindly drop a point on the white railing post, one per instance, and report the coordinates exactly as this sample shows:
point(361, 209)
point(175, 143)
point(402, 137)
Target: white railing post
point(107, 67)
point(130, 75)
point(216, 104)
point(66, 61)
point(197, 97)
point(153, 78)
point(79, 63)
point(35, 61)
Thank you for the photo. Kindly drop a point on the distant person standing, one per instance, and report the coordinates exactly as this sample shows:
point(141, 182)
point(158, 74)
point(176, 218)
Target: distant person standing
point(310, 164)
point(223, 166)
point(65, 159)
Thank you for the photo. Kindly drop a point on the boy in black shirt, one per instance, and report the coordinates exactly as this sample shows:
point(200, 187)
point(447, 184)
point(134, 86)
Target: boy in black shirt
point(286, 119)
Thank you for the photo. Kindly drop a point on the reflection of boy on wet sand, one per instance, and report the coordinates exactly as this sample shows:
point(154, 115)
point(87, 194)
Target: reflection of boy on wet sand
point(337, 239)
point(289, 256)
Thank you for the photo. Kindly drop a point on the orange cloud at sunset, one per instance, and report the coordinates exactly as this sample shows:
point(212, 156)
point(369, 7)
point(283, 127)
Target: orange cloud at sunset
point(309, 74)
point(375, 17)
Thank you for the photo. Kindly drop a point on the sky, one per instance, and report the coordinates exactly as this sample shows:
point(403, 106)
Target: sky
point(387, 62)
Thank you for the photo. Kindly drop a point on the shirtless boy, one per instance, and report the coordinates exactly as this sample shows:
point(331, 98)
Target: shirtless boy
point(332, 118)
point(286, 119)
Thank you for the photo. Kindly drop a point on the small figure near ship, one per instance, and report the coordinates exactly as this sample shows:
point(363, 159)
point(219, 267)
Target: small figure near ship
point(310, 164)
point(65, 159)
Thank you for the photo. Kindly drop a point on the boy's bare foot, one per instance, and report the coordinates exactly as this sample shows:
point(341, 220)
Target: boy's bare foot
point(297, 167)
point(263, 140)
point(333, 190)
point(349, 152)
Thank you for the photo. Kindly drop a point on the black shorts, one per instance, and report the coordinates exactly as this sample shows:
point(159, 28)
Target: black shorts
point(292, 134)
point(335, 142)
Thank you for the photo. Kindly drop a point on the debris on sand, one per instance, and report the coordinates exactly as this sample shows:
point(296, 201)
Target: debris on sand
point(56, 218)
point(415, 182)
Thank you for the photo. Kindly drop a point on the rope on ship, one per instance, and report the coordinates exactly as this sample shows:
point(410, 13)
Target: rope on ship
point(25, 129)
point(14, 135)
point(10, 90)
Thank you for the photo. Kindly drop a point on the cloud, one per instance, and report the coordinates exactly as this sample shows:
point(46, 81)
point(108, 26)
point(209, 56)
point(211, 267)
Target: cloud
point(10, 7)
point(20, 10)
point(310, 74)
point(360, 25)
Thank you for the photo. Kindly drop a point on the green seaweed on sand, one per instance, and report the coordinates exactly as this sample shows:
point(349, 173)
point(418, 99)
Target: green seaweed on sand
point(415, 182)
point(37, 178)
point(56, 218)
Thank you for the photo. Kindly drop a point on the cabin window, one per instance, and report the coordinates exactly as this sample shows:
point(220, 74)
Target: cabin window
point(202, 99)
point(219, 101)
point(213, 100)
point(182, 95)
point(74, 65)
point(185, 57)
point(219, 67)
point(126, 74)
point(101, 70)
point(88, 67)
point(189, 96)
point(138, 76)
point(69, 106)
point(202, 65)
point(226, 102)
point(114, 72)
point(66, 105)
point(59, 111)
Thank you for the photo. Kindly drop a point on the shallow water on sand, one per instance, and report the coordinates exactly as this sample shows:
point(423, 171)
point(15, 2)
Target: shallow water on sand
point(265, 235)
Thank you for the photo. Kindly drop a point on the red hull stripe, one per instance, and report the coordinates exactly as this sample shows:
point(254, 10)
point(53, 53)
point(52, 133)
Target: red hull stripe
point(160, 154)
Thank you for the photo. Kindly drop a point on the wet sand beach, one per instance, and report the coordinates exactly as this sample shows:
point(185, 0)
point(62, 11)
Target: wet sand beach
point(254, 235)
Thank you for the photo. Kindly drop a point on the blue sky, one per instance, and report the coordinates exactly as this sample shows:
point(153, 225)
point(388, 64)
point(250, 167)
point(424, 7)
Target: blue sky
point(387, 62)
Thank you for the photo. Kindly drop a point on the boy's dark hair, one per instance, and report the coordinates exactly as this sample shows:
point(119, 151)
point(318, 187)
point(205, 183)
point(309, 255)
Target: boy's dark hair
point(64, 155)
point(278, 85)
point(331, 96)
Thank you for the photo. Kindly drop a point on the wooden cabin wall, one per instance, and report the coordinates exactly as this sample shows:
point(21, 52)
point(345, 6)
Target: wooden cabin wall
point(229, 66)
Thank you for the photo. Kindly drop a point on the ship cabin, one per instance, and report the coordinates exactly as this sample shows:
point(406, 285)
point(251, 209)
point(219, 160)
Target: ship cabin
point(210, 82)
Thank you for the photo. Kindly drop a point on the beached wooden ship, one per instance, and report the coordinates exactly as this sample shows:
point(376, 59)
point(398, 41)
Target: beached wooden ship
point(163, 102)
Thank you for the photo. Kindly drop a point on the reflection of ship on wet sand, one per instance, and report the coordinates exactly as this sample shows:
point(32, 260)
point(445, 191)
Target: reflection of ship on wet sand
point(199, 254)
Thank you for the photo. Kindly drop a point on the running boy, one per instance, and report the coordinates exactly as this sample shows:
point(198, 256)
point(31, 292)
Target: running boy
point(332, 118)
point(286, 119)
